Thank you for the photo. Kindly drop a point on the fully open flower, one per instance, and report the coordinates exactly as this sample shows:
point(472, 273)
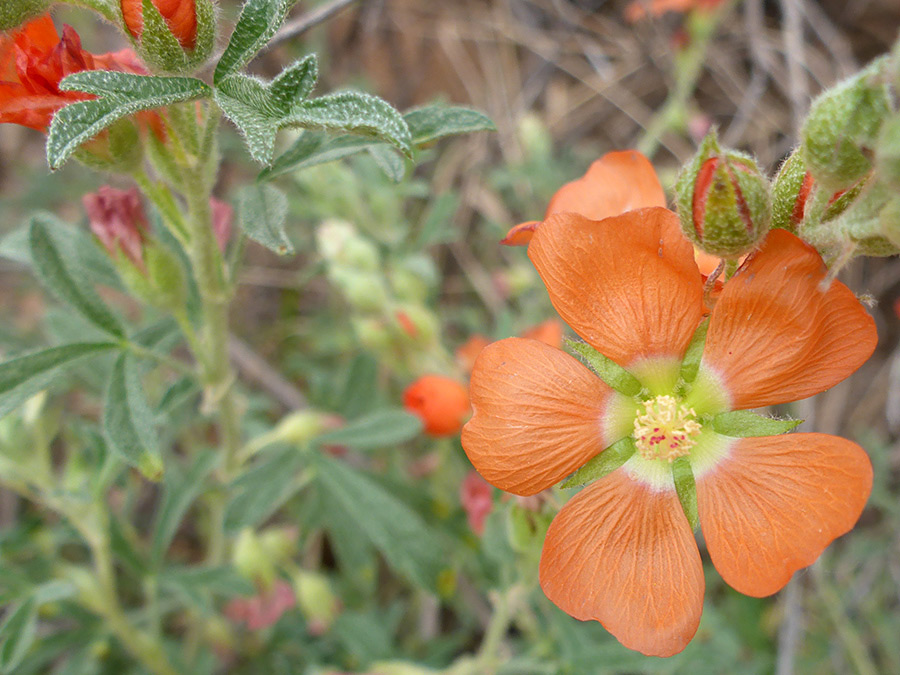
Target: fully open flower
point(622, 550)
point(33, 61)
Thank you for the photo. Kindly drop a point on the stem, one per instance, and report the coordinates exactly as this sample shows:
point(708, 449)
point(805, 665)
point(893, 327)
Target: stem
point(488, 659)
point(178, 366)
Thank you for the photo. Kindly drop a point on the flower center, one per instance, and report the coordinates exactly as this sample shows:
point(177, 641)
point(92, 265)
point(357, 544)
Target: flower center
point(666, 429)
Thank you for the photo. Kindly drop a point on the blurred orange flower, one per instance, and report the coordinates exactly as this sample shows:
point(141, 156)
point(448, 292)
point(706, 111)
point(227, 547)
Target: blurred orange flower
point(549, 332)
point(640, 9)
point(622, 551)
point(180, 16)
point(441, 402)
point(33, 61)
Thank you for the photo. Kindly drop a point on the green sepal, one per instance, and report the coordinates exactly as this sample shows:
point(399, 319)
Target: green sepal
point(746, 424)
point(157, 47)
point(14, 13)
point(690, 365)
point(607, 370)
point(787, 191)
point(603, 464)
point(686, 489)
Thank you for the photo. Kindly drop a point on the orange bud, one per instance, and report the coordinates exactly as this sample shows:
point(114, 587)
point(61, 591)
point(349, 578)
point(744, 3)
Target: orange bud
point(441, 402)
point(180, 16)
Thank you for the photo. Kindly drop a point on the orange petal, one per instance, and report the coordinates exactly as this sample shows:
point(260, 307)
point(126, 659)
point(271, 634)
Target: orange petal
point(773, 505)
point(521, 234)
point(550, 332)
point(623, 554)
point(538, 415)
point(615, 183)
point(776, 336)
point(628, 285)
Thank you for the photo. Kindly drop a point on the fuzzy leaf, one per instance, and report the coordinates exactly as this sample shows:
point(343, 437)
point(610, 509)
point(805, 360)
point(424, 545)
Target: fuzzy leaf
point(313, 148)
point(397, 531)
point(603, 464)
point(261, 490)
point(51, 269)
point(259, 21)
point(379, 429)
point(686, 488)
point(388, 160)
point(262, 213)
point(122, 94)
point(128, 421)
point(608, 370)
point(24, 376)
point(294, 83)
point(744, 424)
point(17, 632)
point(431, 122)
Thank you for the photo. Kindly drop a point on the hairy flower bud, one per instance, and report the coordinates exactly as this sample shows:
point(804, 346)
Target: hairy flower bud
point(118, 220)
point(14, 13)
point(838, 137)
point(180, 17)
point(790, 192)
point(317, 600)
point(723, 201)
point(172, 35)
point(441, 402)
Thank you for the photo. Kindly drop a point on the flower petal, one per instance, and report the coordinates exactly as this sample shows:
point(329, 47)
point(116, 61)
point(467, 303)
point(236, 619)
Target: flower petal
point(615, 183)
point(521, 234)
point(623, 554)
point(772, 506)
point(775, 336)
point(628, 285)
point(538, 415)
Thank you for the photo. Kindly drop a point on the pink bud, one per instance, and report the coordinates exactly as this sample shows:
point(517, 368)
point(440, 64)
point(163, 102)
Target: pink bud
point(118, 221)
point(477, 499)
point(262, 610)
point(222, 216)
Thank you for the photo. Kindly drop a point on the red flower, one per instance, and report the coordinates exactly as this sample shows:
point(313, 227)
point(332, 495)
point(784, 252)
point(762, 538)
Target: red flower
point(622, 551)
point(476, 496)
point(118, 220)
point(180, 16)
point(33, 61)
point(441, 402)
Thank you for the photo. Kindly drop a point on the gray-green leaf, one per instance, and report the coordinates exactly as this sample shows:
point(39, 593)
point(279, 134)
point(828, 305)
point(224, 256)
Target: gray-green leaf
point(24, 376)
point(51, 269)
point(435, 121)
point(121, 95)
point(259, 492)
point(397, 531)
point(262, 214)
point(128, 421)
point(259, 21)
point(379, 429)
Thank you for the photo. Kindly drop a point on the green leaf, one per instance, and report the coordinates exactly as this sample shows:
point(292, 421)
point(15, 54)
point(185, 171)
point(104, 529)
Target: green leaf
point(380, 429)
point(388, 160)
point(437, 226)
point(294, 83)
point(259, 492)
point(121, 95)
point(17, 631)
point(608, 370)
point(260, 109)
point(196, 584)
point(603, 464)
point(258, 22)
point(180, 491)
point(690, 365)
point(51, 269)
point(314, 148)
point(435, 121)
point(744, 424)
point(24, 376)
point(262, 214)
point(686, 489)
point(398, 532)
point(128, 421)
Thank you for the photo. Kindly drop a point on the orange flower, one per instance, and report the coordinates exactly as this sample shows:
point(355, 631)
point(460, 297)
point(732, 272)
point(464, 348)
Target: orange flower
point(640, 9)
point(622, 550)
point(441, 402)
point(549, 332)
point(180, 16)
point(615, 183)
point(33, 61)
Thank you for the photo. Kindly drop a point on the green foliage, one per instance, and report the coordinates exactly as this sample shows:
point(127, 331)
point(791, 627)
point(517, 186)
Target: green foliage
point(262, 214)
point(259, 21)
point(13, 13)
point(120, 95)
point(263, 488)
point(744, 424)
point(603, 464)
point(128, 422)
point(17, 633)
point(379, 429)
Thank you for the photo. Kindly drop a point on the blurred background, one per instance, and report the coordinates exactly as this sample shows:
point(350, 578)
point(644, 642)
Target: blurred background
point(564, 81)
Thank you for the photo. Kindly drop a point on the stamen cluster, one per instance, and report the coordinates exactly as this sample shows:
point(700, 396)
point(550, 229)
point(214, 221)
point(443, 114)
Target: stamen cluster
point(666, 429)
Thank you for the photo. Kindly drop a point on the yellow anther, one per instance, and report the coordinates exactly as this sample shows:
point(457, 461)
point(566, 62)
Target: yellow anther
point(666, 429)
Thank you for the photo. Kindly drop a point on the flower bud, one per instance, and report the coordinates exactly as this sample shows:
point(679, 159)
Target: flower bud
point(222, 219)
point(723, 201)
point(118, 220)
point(171, 35)
point(316, 600)
point(790, 192)
point(838, 137)
point(418, 323)
point(364, 290)
point(441, 402)
point(477, 499)
point(13, 13)
point(251, 560)
point(342, 245)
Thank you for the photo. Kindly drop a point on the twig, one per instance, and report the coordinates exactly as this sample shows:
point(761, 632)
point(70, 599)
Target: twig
point(255, 369)
point(791, 628)
point(792, 35)
point(314, 18)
